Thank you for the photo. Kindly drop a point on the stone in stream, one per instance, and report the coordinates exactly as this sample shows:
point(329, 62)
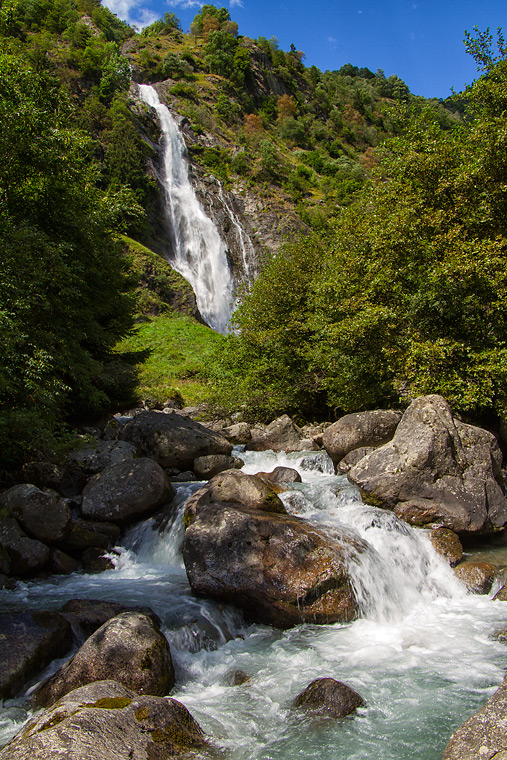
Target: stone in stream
point(106, 721)
point(209, 466)
point(126, 491)
point(20, 555)
point(483, 736)
point(172, 440)
point(436, 469)
point(280, 475)
point(360, 429)
point(94, 459)
point(280, 435)
point(478, 577)
point(89, 614)
point(328, 698)
point(44, 515)
point(28, 643)
point(129, 648)
point(447, 544)
point(276, 568)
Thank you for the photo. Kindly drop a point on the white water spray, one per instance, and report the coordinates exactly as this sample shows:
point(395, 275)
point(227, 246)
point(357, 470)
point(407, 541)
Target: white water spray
point(199, 254)
point(245, 244)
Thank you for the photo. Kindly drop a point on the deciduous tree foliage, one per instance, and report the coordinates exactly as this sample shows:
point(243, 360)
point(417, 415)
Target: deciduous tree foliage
point(63, 300)
point(409, 293)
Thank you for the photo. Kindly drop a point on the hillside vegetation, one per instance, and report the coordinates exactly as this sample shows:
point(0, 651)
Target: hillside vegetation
point(364, 309)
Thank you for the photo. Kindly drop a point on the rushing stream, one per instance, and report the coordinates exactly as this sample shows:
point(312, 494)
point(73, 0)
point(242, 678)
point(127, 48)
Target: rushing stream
point(422, 656)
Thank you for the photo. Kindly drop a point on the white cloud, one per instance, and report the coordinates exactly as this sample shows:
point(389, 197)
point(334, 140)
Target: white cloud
point(132, 11)
point(186, 3)
point(331, 39)
point(234, 3)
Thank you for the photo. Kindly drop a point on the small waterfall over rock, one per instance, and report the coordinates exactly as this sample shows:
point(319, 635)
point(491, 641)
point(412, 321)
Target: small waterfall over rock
point(198, 252)
point(246, 247)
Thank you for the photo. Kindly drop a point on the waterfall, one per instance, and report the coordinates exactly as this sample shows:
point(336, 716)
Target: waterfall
point(245, 244)
point(198, 252)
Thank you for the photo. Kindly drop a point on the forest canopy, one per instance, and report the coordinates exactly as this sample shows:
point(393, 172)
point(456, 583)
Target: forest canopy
point(407, 292)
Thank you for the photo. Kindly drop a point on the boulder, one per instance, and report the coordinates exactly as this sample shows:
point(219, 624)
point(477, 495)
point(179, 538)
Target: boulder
point(352, 458)
point(126, 491)
point(208, 466)
point(329, 698)
point(447, 544)
point(236, 487)
point(44, 515)
point(28, 643)
point(353, 431)
point(478, 577)
point(93, 459)
point(436, 469)
point(67, 479)
point(82, 534)
point(280, 475)
point(20, 555)
point(61, 563)
point(280, 435)
point(128, 648)
point(95, 560)
point(235, 678)
point(106, 721)
point(276, 568)
point(239, 433)
point(172, 440)
point(86, 615)
point(483, 735)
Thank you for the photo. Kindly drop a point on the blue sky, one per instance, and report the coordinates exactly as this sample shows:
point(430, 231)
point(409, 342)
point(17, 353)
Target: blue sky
point(419, 40)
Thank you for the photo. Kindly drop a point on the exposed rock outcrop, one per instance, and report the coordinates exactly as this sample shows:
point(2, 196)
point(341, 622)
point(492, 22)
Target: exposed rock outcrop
point(438, 470)
point(354, 431)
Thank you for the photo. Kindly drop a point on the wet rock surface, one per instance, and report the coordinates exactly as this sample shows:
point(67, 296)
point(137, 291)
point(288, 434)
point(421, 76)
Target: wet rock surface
point(478, 577)
point(329, 698)
point(483, 735)
point(28, 642)
point(436, 469)
point(106, 721)
point(128, 648)
point(447, 544)
point(276, 568)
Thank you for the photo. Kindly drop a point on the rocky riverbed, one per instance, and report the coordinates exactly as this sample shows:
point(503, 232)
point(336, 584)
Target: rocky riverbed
point(260, 551)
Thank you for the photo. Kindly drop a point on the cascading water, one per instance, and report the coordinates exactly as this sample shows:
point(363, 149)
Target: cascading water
point(422, 656)
point(245, 244)
point(198, 252)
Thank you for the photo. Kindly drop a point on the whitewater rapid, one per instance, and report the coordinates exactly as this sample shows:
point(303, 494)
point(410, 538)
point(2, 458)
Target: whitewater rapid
point(423, 656)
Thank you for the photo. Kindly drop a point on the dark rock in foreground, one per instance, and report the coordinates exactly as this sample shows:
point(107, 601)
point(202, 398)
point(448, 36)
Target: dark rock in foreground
point(128, 648)
point(276, 568)
point(106, 721)
point(43, 514)
point(328, 698)
point(483, 736)
point(29, 641)
point(436, 470)
point(172, 440)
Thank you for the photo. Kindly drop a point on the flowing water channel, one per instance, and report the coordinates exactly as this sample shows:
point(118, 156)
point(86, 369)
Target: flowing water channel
point(423, 655)
point(198, 252)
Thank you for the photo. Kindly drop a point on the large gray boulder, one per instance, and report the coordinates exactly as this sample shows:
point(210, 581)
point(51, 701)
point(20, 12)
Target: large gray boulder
point(28, 642)
point(276, 568)
point(360, 429)
point(172, 440)
point(126, 491)
point(483, 736)
point(436, 470)
point(128, 648)
point(106, 721)
point(44, 515)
